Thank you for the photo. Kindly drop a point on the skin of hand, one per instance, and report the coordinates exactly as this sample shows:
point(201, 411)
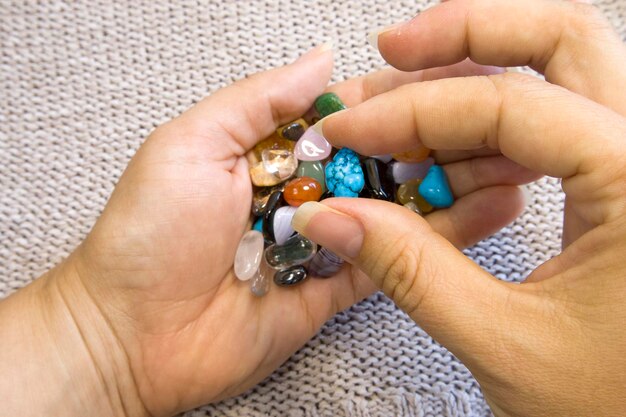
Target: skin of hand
point(146, 316)
point(554, 345)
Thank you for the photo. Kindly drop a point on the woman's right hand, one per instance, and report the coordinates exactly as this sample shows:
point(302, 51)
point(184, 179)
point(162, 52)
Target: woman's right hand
point(555, 345)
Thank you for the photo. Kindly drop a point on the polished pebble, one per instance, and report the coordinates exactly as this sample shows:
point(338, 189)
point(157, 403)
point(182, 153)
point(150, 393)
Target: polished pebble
point(328, 103)
point(260, 283)
point(404, 171)
point(435, 188)
point(290, 276)
point(281, 163)
point(300, 190)
point(409, 192)
point(248, 255)
point(295, 251)
point(274, 203)
point(258, 225)
point(282, 224)
point(293, 131)
point(414, 155)
point(313, 169)
point(325, 264)
point(413, 207)
point(261, 197)
point(272, 142)
point(377, 184)
point(344, 175)
point(312, 147)
point(261, 177)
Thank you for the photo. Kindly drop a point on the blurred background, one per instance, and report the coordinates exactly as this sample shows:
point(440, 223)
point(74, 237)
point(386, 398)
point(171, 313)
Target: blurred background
point(82, 83)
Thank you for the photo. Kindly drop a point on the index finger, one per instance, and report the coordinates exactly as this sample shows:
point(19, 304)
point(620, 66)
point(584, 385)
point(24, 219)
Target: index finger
point(538, 125)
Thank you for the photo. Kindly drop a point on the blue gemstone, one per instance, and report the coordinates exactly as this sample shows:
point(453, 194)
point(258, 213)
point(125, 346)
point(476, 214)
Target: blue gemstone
point(435, 188)
point(258, 225)
point(344, 175)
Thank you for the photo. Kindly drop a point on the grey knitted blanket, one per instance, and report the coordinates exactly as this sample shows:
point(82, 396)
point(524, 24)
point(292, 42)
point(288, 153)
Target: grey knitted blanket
point(82, 83)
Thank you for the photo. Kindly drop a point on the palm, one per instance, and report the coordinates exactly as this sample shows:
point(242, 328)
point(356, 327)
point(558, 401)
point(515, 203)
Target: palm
point(163, 249)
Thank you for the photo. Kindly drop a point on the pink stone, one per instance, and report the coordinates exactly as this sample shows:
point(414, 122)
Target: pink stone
point(249, 255)
point(405, 171)
point(312, 147)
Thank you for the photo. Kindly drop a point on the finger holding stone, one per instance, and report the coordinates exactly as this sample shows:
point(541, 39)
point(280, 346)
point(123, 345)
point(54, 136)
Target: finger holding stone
point(471, 175)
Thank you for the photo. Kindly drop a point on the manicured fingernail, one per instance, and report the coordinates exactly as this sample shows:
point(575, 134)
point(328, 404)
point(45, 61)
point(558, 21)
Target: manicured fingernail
point(330, 228)
point(372, 38)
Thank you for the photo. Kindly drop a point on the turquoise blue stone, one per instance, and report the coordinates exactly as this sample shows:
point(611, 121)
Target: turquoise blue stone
point(435, 188)
point(258, 225)
point(344, 175)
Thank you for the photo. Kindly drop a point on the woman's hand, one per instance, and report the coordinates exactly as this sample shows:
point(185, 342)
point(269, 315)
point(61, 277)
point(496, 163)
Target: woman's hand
point(147, 317)
point(556, 344)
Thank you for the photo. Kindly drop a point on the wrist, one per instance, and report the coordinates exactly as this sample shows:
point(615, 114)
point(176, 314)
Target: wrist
point(60, 357)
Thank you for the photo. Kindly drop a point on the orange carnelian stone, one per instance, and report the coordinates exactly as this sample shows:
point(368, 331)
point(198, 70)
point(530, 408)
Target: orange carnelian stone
point(414, 155)
point(300, 190)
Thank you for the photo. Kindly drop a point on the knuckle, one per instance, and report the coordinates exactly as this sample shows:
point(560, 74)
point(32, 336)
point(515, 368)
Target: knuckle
point(404, 274)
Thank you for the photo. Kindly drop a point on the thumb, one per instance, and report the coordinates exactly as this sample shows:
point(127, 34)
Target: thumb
point(442, 290)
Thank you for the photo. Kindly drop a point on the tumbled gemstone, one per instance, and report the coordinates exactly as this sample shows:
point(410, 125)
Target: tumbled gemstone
point(282, 224)
point(328, 103)
point(313, 169)
point(408, 192)
point(377, 184)
point(279, 162)
point(414, 155)
point(435, 188)
point(300, 190)
point(248, 255)
point(413, 207)
point(260, 283)
point(325, 263)
point(272, 142)
point(258, 225)
point(261, 177)
point(273, 204)
point(295, 251)
point(344, 175)
point(294, 130)
point(261, 197)
point(312, 147)
point(290, 276)
point(404, 171)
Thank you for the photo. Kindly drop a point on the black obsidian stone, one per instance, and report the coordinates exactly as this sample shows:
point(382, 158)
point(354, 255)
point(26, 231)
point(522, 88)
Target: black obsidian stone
point(326, 195)
point(293, 131)
point(377, 182)
point(273, 203)
point(290, 276)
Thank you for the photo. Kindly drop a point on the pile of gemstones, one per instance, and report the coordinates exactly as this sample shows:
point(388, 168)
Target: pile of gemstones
point(296, 165)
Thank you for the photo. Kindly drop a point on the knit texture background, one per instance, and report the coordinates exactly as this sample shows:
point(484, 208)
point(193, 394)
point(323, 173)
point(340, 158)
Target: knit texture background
point(82, 83)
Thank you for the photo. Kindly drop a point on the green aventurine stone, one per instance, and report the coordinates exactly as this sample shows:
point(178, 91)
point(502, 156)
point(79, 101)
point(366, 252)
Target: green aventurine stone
point(328, 103)
point(313, 169)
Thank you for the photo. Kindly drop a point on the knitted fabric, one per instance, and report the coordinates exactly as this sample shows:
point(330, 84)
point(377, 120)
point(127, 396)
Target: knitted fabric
point(82, 83)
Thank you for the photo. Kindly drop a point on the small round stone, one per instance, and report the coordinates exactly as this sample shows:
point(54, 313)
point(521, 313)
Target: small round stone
point(435, 188)
point(409, 192)
point(248, 255)
point(282, 224)
point(300, 190)
point(312, 147)
point(328, 103)
point(290, 276)
point(297, 250)
point(313, 169)
point(293, 131)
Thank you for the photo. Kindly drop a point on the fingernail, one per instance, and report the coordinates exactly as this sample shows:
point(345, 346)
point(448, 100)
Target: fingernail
point(372, 38)
point(318, 50)
point(527, 195)
point(319, 126)
point(330, 228)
